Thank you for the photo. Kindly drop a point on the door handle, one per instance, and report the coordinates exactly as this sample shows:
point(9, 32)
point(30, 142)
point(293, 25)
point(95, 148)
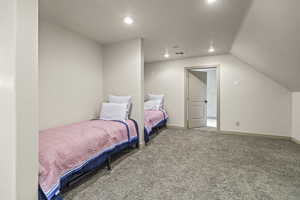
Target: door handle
point(205, 101)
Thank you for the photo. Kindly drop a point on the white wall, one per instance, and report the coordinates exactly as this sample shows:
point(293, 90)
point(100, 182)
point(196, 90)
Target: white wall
point(70, 76)
point(27, 99)
point(258, 103)
point(124, 75)
point(18, 99)
point(7, 100)
point(296, 115)
point(212, 94)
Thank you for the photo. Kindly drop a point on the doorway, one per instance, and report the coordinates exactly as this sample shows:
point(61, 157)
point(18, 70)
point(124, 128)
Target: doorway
point(202, 97)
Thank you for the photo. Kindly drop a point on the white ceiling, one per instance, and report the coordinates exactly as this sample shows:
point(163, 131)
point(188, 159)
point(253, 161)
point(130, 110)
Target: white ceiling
point(190, 24)
point(269, 40)
point(263, 33)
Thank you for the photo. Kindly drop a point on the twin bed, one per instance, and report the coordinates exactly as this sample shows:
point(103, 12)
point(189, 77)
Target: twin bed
point(68, 152)
point(154, 120)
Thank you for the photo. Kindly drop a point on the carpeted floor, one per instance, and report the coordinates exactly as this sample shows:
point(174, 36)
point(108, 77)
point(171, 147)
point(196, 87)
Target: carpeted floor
point(190, 164)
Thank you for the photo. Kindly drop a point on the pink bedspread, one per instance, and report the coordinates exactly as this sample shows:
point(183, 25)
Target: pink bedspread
point(66, 148)
point(153, 117)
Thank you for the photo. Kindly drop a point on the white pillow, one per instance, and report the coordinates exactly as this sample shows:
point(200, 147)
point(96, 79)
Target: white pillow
point(121, 99)
point(153, 105)
point(157, 97)
point(114, 111)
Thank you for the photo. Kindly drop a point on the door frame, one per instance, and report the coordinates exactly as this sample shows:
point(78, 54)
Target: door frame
point(186, 94)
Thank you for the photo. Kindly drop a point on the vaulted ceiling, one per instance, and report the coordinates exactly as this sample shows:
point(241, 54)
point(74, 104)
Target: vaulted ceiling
point(263, 33)
point(269, 40)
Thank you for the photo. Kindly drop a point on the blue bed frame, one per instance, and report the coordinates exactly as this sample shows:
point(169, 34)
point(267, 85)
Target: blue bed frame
point(91, 165)
point(155, 129)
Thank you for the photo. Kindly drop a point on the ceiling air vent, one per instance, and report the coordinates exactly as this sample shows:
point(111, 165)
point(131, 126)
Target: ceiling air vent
point(180, 53)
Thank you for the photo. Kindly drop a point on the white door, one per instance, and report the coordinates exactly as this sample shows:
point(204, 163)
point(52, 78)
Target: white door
point(197, 99)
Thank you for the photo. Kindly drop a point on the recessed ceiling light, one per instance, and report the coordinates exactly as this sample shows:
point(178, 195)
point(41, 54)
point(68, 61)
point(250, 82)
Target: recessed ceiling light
point(128, 20)
point(211, 1)
point(167, 55)
point(211, 49)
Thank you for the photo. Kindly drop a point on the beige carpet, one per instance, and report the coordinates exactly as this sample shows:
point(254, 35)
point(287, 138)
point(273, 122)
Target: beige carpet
point(195, 165)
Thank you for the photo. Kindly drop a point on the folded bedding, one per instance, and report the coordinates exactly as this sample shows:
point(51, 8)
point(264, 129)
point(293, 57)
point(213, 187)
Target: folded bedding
point(153, 118)
point(67, 149)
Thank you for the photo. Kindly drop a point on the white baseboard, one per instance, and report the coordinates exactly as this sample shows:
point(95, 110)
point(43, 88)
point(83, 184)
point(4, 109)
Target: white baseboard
point(295, 140)
point(279, 137)
point(175, 126)
point(255, 134)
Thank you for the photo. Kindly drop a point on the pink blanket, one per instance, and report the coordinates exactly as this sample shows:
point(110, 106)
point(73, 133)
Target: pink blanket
point(153, 117)
point(67, 148)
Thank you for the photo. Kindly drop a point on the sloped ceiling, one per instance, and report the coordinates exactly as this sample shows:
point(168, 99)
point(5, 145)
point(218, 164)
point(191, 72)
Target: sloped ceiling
point(269, 40)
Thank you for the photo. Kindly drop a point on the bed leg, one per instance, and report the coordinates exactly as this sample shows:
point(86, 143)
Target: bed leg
point(157, 130)
point(58, 198)
point(108, 163)
point(134, 146)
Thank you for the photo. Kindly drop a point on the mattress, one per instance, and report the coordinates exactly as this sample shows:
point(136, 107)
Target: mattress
point(68, 149)
point(153, 119)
